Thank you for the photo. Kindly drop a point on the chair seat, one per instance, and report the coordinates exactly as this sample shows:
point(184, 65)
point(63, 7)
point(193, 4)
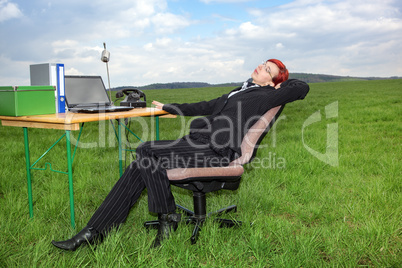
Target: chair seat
point(206, 186)
point(209, 173)
point(206, 180)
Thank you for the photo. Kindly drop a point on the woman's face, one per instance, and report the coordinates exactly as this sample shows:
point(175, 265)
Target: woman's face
point(263, 75)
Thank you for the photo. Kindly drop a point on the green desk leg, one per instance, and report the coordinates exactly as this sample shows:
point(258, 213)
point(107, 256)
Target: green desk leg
point(120, 147)
point(28, 166)
point(157, 127)
point(120, 142)
point(70, 178)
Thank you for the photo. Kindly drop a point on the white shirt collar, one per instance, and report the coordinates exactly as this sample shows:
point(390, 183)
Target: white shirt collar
point(246, 85)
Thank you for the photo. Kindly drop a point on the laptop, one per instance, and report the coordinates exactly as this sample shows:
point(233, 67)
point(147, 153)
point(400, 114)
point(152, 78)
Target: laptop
point(87, 94)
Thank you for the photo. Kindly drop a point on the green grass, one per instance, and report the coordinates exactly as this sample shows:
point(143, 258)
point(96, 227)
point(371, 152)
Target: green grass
point(305, 213)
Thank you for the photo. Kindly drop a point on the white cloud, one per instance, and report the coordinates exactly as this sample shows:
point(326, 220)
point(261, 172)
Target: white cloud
point(163, 42)
point(279, 46)
point(355, 32)
point(250, 30)
point(148, 47)
point(166, 23)
point(144, 7)
point(137, 18)
point(9, 11)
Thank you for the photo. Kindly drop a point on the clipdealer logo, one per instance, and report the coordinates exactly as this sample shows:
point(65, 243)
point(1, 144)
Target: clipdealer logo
point(331, 155)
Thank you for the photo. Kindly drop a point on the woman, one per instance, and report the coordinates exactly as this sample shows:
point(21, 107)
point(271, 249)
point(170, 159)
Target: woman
point(214, 140)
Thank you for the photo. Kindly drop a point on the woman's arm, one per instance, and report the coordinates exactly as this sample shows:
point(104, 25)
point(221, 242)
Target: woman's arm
point(290, 90)
point(158, 105)
point(188, 109)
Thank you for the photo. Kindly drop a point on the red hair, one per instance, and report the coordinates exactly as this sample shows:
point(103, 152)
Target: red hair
point(283, 72)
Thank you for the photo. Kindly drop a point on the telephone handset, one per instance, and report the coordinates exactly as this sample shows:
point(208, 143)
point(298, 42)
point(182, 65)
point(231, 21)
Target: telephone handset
point(133, 97)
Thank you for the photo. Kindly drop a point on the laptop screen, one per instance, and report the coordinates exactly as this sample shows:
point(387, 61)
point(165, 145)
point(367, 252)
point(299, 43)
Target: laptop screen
point(85, 90)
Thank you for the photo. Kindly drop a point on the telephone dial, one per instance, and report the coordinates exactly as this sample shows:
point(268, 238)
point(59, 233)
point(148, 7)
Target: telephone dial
point(133, 98)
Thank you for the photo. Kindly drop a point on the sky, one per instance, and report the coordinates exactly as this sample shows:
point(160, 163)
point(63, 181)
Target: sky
point(213, 41)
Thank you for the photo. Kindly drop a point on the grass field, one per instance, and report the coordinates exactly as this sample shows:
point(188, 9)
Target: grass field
point(307, 211)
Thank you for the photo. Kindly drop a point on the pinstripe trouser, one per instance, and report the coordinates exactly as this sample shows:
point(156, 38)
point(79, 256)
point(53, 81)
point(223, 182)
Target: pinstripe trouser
point(149, 171)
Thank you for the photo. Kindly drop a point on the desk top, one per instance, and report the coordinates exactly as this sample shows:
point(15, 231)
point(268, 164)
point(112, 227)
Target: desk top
point(71, 121)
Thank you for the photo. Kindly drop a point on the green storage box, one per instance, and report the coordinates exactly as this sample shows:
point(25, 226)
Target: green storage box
point(27, 100)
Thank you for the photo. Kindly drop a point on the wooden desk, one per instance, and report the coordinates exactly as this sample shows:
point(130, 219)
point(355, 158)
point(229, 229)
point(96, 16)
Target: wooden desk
point(71, 122)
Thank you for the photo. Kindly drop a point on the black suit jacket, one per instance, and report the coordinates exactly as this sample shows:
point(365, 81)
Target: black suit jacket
point(227, 120)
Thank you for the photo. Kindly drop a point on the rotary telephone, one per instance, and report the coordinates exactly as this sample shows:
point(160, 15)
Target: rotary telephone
point(133, 98)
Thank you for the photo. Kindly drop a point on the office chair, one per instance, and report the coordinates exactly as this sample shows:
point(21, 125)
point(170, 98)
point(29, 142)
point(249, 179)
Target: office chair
point(204, 180)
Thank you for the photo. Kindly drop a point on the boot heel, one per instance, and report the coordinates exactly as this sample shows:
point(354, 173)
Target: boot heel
point(168, 223)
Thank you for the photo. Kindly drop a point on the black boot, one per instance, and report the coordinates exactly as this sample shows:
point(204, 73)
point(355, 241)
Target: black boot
point(86, 235)
point(167, 223)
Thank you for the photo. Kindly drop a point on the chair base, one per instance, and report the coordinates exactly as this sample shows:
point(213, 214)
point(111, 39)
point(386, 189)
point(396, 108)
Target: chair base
point(199, 219)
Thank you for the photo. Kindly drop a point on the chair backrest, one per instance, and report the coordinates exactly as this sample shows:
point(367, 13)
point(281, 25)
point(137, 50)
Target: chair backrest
point(249, 148)
point(255, 134)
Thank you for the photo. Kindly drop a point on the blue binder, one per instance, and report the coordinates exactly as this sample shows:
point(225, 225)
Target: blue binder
point(61, 96)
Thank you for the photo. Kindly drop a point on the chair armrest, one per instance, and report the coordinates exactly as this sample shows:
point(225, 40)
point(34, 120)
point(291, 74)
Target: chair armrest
point(177, 174)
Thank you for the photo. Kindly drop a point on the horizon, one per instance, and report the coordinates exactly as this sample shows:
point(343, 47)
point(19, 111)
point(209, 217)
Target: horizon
point(337, 78)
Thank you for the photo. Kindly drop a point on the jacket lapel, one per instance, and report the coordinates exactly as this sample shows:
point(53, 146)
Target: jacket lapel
point(221, 103)
point(224, 98)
